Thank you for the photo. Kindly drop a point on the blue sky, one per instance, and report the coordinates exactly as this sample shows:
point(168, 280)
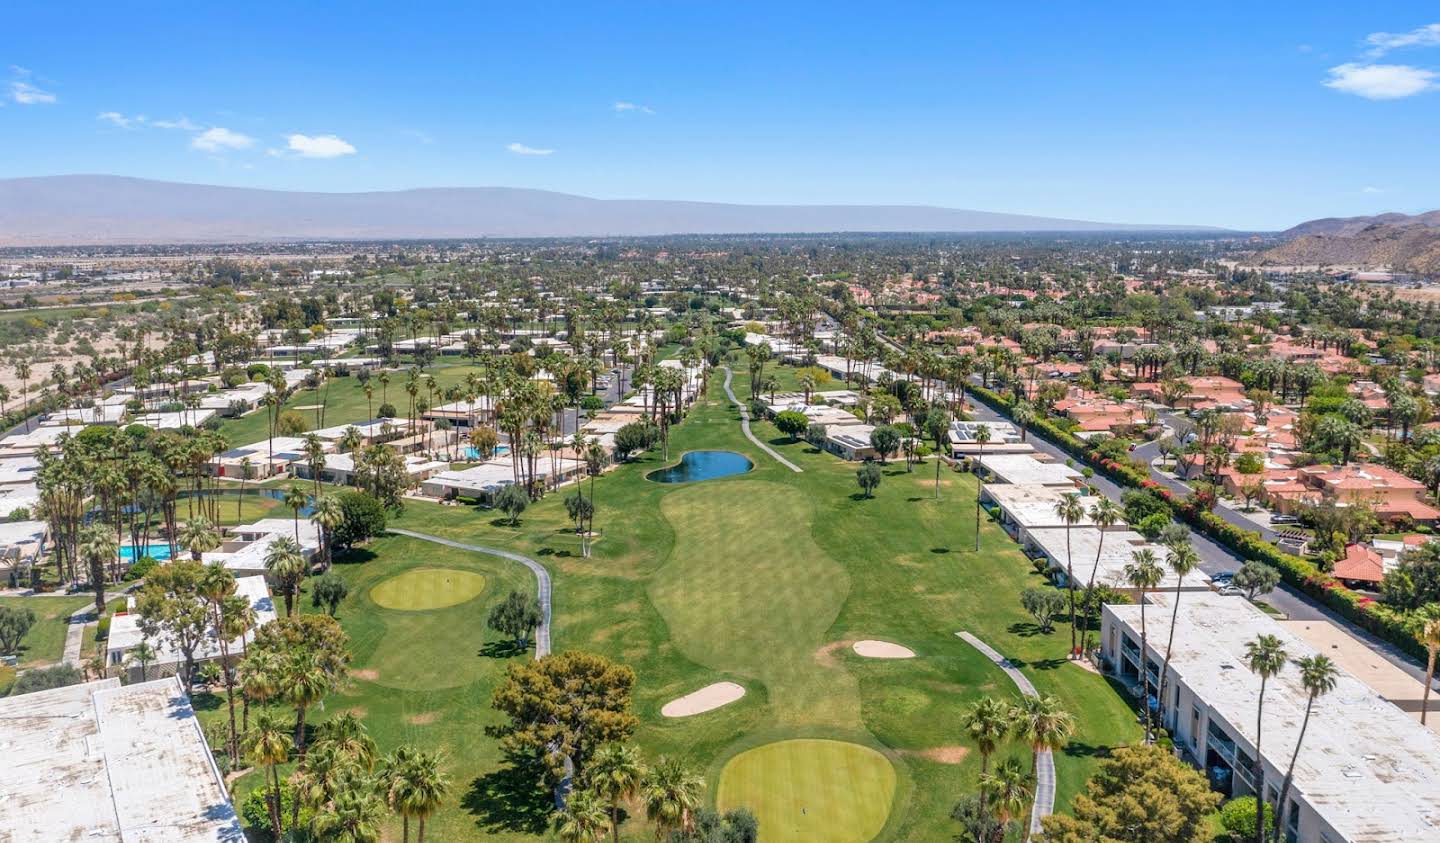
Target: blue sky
point(1250, 115)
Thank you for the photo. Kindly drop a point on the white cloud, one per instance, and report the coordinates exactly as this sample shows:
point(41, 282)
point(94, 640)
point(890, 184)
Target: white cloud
point(1381, 81)
point(522, 149)
point(27, 94)
point(220, 139)
point(636, 107)
point(182, 123)
point(1369, 189)
point(318, 146)
point(121, 121)
point(1383, 42)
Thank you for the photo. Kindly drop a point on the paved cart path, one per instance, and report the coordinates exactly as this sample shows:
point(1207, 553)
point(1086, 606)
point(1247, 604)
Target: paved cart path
point(745, 426)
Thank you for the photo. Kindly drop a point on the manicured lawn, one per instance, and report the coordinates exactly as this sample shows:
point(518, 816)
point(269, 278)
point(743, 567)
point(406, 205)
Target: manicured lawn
point(804, 790)
point(45, 642)
point(427, 588)
point(761, 579)
point(788, 377)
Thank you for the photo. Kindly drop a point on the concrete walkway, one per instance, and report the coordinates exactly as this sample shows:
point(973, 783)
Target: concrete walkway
point(75, 634)
point(1044, 804)
point(542, 576)
point(745, 426)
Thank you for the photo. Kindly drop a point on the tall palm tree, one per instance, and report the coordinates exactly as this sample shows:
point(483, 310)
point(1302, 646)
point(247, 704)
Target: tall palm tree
point(98, 548)
point(354, 815)
point(616, 774)
point(1183, 560)
point(982, 436)
point(1042, 723)
point(295, 498)
point(671, 794)
point(987, 724)
point(303, 683)
point(346, 734)
point(424, 788)
point(1318, 676)
point(259, 681)
point(1266, 657)
point(1143, 573)
point(1069, 510)
point(286, 564)
point(1010, 788)
point(1430, 637)
point(217, 585)
point(1104, 514)
point(583, 819)
point(328, 516)
point(199, 536)
point(268, 746)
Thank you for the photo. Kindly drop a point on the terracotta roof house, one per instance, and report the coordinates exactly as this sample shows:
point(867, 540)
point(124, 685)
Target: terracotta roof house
point(1360, 567)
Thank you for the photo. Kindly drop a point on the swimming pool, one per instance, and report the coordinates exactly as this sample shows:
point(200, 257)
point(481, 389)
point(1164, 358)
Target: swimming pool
point(154, 551)
point(472, 454)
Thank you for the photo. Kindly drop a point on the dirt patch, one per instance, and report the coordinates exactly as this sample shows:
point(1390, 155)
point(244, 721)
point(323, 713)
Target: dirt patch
point(424, 718)
point(367, 675)
point(356, 711)
point(825, 656)
point(942, 754)
point(1086, 664)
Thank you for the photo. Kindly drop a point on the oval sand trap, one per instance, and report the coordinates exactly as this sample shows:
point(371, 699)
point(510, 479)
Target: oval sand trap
point(706, 699)
point(427, 588)
point(882, 650)
point(804, 791)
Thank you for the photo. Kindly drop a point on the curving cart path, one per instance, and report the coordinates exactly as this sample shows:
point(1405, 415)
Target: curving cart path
point(745, 426)
point(542, 632)
point(1044, 760)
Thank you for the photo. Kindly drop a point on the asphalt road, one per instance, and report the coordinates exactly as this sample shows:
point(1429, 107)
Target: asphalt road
point(1215, 559)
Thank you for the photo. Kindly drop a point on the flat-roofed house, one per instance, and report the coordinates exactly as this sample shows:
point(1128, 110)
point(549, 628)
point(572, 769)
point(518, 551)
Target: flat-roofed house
point(1025, 470)
point(126, 634)
point(1022, 508)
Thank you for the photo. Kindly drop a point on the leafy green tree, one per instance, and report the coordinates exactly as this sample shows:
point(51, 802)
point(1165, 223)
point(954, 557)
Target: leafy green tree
point(868, 476)
point(46, 678)
point(364, 519)
point(516, 616)
point(634, 437)
point(885, 439)
point(173, 608)
point(15, 622)
point(328, 590)
point(792, 423)
point(1043, 604)
point(512, 501)
point(1255, 578)
point(1140, 794)
point(1237, 817)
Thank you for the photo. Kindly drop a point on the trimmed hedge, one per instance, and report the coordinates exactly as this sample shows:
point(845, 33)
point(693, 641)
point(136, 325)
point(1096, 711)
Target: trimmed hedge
point(1395, 627)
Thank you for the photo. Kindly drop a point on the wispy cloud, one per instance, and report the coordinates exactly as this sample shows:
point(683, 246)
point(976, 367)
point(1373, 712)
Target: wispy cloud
point(522, 149)
point(25, 92)
point(318, 146)
point(121, 121)
point(220, 139)
point(181, 123)
point(1381, 81)
point(423, 137)
point(1369, 189)
point(1383, 42)
point(633, 107)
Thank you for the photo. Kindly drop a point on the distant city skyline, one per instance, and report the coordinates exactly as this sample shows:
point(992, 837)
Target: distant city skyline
point(1254, 116)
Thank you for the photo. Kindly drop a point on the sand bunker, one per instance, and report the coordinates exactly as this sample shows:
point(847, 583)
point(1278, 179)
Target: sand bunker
point(706, 699)
point(882, 650)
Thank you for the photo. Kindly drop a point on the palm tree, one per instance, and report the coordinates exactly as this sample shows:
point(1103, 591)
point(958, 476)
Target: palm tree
point(1182, 559)
point(1143, 573)
point(199, 536)
point(982, 435)
point(259, 681)
point(295, 498)
point(267, 745)
point(1011, 789)
point(987, 724)
point(1042, 723)
point(354, 815)
point(142, 654)
point(1069, 510)
point(616, 774)
point(329, 514)
point(346, 734)
point(286, 564)
point(1266, 657)
point(314, 459)
point(671, 794)
point(1318, 676)
point(98, 548)
point(583, 819)
point(1430, 637)
point(423, 789)
point(245, 465)
point(303, 683)
point(1104, 514)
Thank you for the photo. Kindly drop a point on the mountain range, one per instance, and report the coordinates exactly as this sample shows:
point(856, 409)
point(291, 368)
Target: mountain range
point(1401, 242)
point(100, 209)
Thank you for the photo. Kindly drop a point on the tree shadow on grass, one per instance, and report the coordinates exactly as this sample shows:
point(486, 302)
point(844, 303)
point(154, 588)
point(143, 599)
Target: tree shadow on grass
point(1026, 629)
point(502, 650)
point(509, 799)
point(939, 550)
point(1040, 664)
point(355, 556)
point(206, 701)
point(812, 450)
point(1081, 749)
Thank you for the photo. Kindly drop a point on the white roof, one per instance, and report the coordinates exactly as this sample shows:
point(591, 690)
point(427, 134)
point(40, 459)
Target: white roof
point(1034, 506)
point(99, 414)
point(176, 420)
point(125, 630)
point(102, 762)
point(287, 448)
point(1114, 553)
point(1023, 469)
point(18, 470)
point(18, 533)
point(259, 536)
point(1366, 767)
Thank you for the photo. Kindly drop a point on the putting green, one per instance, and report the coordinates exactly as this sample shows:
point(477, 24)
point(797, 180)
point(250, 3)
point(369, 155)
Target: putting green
point(808, 790)
point(427, 588)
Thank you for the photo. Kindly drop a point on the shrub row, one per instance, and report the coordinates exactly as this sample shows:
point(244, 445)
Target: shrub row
point(1395, 627)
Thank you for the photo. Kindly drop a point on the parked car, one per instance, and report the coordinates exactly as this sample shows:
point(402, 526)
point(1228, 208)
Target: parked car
point(1284, 519)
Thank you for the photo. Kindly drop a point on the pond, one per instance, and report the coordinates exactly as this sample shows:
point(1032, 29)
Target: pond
point(702, 465)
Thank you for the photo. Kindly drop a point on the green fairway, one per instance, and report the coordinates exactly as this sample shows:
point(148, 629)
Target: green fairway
point(45, 642)
point(427, 588)
point(811, 790)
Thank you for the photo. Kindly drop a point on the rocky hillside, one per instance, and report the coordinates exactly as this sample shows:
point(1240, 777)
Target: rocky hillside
point(1395, 241)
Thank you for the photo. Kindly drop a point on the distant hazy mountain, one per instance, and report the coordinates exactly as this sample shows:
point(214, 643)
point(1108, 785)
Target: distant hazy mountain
point(112, 209)
point(1400, 242)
